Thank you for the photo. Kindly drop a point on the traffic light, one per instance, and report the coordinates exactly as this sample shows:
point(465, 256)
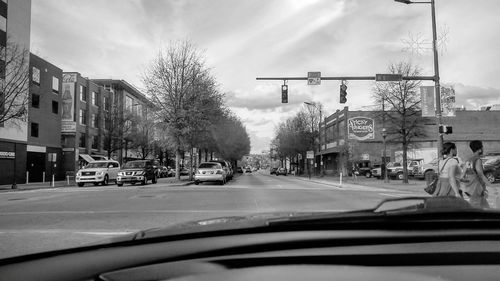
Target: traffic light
point(284, 94)
point(343, 93)
point(444, 129)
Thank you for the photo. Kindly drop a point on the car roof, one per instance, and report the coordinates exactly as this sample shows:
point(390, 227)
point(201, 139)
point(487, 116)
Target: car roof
point(103, 161)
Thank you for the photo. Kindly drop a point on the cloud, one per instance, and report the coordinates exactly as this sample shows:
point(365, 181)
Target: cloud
point(473, 97)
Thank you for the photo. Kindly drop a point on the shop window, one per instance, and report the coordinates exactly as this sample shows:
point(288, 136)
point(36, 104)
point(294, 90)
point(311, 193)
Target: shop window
point(55, 107)
point(34, 130)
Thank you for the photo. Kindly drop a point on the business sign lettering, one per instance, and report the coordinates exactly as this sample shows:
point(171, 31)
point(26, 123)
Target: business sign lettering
point(7, 155)
point(427, 101)
point(360, 128)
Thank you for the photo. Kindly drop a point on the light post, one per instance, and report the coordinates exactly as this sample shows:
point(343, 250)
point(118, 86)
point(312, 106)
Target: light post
point(436, 67)
point(384, 164)
point(319, 132)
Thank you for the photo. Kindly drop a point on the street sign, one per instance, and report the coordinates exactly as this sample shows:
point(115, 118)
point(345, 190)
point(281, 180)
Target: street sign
point(388, 77)
point(310, 154)
point(313, 78)
point(427, 101)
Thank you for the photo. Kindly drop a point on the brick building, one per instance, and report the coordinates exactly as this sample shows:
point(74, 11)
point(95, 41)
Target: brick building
point(337, 148)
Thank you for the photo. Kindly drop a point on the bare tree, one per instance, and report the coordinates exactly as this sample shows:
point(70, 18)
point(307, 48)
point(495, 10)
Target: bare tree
point(117, 127)
point(401, 102)
point(14, 82)
point(173, 81)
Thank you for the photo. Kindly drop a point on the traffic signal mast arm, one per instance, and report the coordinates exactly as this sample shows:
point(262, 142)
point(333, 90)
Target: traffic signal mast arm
point(347, 78)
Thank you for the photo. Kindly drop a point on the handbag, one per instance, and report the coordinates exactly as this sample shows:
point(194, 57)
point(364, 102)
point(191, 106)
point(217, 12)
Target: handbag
point(432, 185)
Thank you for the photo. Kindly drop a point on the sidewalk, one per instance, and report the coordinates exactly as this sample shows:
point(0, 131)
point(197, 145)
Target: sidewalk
point(413, 185)
point(64, 184)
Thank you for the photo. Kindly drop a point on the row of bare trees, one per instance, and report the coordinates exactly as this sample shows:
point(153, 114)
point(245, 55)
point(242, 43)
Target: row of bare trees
point(190, 110)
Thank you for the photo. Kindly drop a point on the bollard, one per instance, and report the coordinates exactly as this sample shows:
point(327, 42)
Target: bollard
point(27, 177)
point(340, 178)
point(43, 176)
point(52, 180)
point(67, 180)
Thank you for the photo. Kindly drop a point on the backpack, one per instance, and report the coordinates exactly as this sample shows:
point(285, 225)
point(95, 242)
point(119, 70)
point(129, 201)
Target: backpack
point(470, 183)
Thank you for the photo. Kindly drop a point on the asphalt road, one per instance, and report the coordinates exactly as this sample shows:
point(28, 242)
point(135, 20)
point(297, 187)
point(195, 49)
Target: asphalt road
point(46, 219)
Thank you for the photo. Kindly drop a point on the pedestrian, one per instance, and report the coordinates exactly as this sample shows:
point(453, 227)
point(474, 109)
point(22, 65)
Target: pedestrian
point(448, 184)
point(473, 181)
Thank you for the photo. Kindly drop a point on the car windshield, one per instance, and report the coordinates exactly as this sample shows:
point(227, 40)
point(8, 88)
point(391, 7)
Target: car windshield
point(97, 165)
point(209, 166)
point(131, 165)
point(299, 106)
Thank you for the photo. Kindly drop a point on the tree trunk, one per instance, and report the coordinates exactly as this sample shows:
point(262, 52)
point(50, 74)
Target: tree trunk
point(191, 165)
point(177, 163)
point(405, 162)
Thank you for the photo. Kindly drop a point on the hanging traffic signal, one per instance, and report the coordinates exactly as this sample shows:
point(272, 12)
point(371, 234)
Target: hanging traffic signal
point(343, 93)
point(284, 93)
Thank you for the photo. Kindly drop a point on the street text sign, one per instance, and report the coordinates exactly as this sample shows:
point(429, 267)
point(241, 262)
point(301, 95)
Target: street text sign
point(313, 78)
point(310, 154)
point(388, 77)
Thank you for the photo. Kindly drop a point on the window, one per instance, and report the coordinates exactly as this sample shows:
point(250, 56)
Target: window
point(95, 142)
point(128, 103)
point(106, 103)
point(34, 130)
point(36, 75)
point(55, 85)
point(55, 107)
point(82, 140)
point(83, 117)
point(35, 101)
point(94, 99)
point(83, 93)
point(94, 121)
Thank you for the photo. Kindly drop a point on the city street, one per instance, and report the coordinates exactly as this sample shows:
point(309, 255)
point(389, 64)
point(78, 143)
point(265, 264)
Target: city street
point(39, 220)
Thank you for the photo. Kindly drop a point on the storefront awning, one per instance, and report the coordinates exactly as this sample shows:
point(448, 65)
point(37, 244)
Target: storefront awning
point(87, 158)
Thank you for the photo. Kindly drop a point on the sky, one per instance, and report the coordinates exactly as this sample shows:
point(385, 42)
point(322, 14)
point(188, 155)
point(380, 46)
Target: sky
point(245, 39)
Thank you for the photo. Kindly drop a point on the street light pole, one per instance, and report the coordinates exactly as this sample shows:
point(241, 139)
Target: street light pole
point(436, 69)
point(384, 162)
point(319, 136)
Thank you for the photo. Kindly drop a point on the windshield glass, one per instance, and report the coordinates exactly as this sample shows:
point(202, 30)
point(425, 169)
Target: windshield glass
point(97, 165)
point(131, 165)
point(303, 105)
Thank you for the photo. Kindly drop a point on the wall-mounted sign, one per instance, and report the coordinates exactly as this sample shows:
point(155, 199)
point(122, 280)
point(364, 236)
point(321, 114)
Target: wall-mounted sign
point(68, 127)
point(68, 97)
point(7, 155)
point(360, 128)
point(427, 101)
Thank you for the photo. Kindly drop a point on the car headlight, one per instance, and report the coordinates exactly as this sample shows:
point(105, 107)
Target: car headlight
point(79, 174)
point(100, 173)
point(120, 174)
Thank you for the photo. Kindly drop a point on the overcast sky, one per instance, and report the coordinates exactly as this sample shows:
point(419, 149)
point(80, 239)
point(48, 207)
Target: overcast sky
point(245, 39)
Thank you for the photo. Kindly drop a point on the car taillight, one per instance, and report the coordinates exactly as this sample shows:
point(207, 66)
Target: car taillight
point(219, 172)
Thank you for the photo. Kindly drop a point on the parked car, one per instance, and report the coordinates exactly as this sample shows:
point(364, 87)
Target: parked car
point(424, 170)
point(226, 166)
point(273, 171)
point(281, 171)
point(137, 171)
point(248, 170)
point(363, 167)
point(396, 170)
point(491, 168)
point(98, 172)
point(210, 172)
point(377, 171)
point(239, 170)
point(165, 172)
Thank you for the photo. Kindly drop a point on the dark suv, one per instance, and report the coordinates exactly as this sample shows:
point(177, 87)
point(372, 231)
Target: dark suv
point(137, 171)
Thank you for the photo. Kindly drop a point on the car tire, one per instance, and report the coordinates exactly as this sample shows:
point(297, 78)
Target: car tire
point(81, 184)
point(221, 182)
point(196, 182)
point(105, 181)
point(490, 177)
point(144, 181)
point(154, 180)
point(368, 174)
point(119, 183)
point(95, 183)
point(399, 176)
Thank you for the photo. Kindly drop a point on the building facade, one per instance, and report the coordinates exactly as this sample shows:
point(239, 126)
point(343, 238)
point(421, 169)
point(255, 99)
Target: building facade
point(15, 20)
point(44, 153)
point(340, 146)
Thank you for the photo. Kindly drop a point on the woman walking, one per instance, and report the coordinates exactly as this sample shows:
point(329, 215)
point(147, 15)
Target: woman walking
point(448, 184)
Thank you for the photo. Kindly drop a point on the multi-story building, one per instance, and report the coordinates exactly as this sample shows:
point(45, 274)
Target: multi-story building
point(357, 136)
point(15, 20)
point(84, 106)
point(128, 105)
point(44, 154)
